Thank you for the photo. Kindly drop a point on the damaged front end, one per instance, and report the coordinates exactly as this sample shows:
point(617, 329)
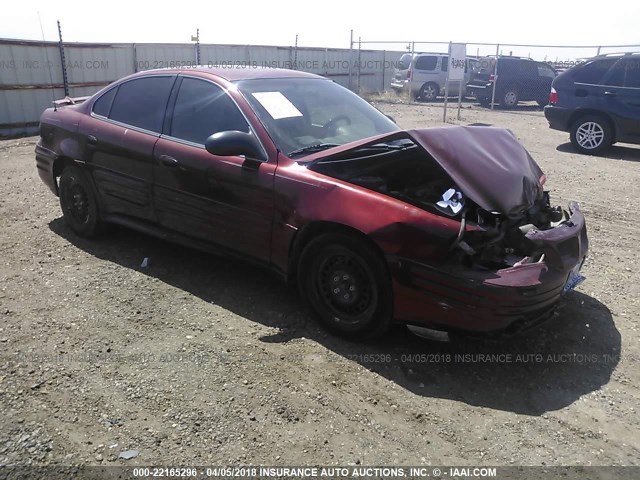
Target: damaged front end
point(509, 237)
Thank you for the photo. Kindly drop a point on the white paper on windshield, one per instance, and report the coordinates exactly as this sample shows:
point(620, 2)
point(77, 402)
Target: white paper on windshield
point(277, 105)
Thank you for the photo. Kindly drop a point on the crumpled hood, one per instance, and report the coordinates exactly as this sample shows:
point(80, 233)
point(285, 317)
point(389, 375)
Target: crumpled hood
point(488, 164)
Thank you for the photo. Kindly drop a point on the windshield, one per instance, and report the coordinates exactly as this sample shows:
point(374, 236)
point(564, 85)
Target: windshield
point(304, 115)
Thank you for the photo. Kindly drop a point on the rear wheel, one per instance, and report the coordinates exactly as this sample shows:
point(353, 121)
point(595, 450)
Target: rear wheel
point(591, 134)
point(78, 202)
point(429, 92)
point(347, 286)
point(509, 98)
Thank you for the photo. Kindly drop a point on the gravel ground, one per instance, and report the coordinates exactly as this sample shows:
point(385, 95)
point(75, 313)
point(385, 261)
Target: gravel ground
point(198, 360)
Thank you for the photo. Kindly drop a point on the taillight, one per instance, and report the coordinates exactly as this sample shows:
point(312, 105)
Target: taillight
point(553, 96)
point(492, 78)
point(409, 73)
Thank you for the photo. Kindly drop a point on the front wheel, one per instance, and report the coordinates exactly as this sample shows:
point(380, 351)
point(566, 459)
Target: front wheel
point(78, 202)
point(591, 134)
point(347, 286)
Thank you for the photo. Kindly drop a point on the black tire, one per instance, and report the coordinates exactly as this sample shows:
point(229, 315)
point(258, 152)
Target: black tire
point(78, 202)
point(509, 98)
point(347, 286)
point(429, 92)
point(591, 134)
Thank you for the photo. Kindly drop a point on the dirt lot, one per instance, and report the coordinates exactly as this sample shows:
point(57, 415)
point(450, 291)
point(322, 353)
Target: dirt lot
point(199, 360)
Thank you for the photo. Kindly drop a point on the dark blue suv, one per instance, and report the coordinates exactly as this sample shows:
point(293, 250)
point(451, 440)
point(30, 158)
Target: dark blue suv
point(598, 102)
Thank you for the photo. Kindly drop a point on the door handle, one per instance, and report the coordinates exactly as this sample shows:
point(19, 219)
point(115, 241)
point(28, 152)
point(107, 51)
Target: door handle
point(169, 161)
point(92, 139)
point(610, 94)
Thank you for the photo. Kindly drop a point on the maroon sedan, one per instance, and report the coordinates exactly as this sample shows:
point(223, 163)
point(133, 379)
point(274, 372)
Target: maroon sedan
point(448, 228)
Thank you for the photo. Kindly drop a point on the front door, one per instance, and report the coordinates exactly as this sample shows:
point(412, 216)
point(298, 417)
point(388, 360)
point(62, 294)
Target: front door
point(223, 200)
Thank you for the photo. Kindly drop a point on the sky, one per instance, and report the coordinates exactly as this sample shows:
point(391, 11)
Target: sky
point(328, 23)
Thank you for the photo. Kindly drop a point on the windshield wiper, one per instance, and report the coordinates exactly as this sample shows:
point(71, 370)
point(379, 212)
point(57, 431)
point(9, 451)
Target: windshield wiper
point(390, 145)
point(318, 147)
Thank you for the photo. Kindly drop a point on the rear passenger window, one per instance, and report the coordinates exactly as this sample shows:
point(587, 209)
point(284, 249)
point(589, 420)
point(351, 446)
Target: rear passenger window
point(528, 68)
point(593, 72)
point(203, 109)
point(545, 71)
point(142, 102)
point(615, 76)
point(624, 73)
point(103, 104)
point(426, 63)
point(633, 73)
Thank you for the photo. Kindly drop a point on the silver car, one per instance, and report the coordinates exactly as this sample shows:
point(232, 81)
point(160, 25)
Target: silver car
point(426, 73)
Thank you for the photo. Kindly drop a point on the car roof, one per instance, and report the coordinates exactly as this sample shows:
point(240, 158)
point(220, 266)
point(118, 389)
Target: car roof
point(232, 74)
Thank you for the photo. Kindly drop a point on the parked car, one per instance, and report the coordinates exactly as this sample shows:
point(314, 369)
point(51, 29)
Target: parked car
point(516, 80)
point(444, 227)
point(598, 102)
point(426, 75)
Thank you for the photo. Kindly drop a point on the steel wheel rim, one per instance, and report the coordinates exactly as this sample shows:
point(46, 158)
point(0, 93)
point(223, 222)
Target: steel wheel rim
point(78, 202)
point(590, 135)
point(346, 288)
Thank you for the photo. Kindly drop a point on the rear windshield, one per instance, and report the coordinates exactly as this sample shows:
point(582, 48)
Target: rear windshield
point(405, 61)
point(485, 65)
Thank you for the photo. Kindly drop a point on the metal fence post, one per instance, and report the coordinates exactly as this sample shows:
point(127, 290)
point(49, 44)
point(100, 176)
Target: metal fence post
point(359, 62)
point(135, 58)
point(495, 77)
point(384, 68)
point(65, 79)
point(197, 46)
point(295, 54)
point(410, 79)
point(351, 61)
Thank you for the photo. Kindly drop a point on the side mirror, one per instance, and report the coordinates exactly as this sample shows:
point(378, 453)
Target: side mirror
point(233, 142)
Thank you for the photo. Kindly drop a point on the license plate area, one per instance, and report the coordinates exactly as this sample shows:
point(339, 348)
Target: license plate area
point(574, 279)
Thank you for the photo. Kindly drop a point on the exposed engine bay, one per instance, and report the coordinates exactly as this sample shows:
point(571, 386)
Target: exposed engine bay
point(487, 239)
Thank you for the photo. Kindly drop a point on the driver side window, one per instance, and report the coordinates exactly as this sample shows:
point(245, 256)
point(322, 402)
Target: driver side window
point(203, 109)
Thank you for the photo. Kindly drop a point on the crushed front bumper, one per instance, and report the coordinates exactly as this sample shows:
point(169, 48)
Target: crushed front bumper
point(483, 301)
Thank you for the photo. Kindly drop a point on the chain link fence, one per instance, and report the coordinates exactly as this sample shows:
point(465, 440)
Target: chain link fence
point(505, 76)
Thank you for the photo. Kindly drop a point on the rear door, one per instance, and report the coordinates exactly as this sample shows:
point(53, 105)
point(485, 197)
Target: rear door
point(226, 200)
point(546, 74)
point(528, 82)
point(621, 92)
point(119, 137)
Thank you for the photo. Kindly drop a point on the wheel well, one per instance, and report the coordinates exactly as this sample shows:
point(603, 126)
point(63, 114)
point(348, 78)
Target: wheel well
point(583, 113)
point(312, 230)
point(58, 167)
point(513, 87)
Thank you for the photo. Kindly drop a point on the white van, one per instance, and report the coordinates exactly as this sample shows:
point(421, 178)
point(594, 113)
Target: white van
point(427, 74)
